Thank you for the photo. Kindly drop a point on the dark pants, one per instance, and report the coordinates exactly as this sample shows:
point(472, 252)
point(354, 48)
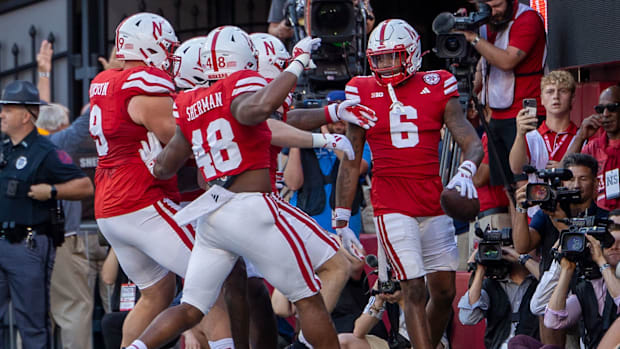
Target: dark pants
point(25, 274)
point(502, 134)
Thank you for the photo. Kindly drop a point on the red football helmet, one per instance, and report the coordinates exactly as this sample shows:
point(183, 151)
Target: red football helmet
point(393, 51)
point(149, 38)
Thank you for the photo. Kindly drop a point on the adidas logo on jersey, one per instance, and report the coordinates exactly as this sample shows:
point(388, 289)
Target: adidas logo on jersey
point(425, 91)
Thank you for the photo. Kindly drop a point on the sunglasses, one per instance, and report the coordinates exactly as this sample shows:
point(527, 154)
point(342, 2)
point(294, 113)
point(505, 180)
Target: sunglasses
point(613, 107)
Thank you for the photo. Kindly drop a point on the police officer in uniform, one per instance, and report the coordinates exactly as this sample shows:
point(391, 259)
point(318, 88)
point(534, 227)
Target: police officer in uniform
point(34, 174)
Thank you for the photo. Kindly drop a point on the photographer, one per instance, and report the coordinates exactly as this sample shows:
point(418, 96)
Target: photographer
point(594, 302)
point(503, 302)
point(604, 148)
point(513, 50)
point(279, 26)
point(544, 229)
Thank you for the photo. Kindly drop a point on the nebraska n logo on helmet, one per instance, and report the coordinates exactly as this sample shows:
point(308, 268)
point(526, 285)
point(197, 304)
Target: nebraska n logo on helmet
point(273, 57)
point(394, 51)
point(149, 38)
point(227, 50)
point(191, 71)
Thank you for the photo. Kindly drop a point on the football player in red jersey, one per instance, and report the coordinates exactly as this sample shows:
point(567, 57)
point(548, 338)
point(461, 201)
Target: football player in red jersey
point(411, 227)
point(134, 210)
point(224, 127)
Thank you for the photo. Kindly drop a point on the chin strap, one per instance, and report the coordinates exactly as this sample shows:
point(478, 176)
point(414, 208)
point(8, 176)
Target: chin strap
point(395, 101)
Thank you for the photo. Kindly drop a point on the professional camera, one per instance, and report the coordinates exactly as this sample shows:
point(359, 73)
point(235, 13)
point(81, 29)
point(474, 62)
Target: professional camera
point(573, 242)
point(490, 251)
point(453, 45)
point(386, 287)
point(342, 29)
point(548, 195)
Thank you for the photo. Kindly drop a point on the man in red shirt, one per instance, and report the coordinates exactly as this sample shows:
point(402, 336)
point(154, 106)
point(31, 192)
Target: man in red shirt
point(513, 50)
point(605, 148)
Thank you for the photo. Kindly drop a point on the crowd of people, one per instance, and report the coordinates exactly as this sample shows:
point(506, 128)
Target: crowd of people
point(225, 208)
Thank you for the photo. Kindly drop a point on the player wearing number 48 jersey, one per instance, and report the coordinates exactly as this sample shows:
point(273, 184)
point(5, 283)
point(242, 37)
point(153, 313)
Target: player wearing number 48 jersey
point(134, 210)
point(417, 237)
point(224, 127)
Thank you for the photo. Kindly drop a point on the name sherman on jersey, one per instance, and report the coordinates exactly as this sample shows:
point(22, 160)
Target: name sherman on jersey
point(204, 105)
point(222, 146)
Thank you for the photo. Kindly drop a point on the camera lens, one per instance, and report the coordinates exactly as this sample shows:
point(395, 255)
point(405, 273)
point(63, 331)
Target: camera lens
point(453, 44)
point(332, 19)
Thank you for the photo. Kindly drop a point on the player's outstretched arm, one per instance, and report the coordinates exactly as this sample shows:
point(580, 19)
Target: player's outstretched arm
point(154, 113)
point(349, 110)
point(463, 132)
point(285, 135)
point(173, 156)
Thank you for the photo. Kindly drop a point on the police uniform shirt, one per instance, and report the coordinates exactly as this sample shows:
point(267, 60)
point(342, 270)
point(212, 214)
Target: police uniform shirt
point(32, 161)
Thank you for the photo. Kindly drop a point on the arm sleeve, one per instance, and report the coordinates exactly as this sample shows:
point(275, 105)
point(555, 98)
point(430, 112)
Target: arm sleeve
point(525, 31)
point(544, 290)
point(471, 314)
point(71, 137)
point(59, 168)
point(538, 222)
point(567, 317)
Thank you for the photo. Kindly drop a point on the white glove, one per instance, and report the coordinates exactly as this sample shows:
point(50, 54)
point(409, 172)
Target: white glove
point(333, 141)
point(350, 242)
point(351, 111)
point(149, 151)
point(462, 180)
point(301, 55)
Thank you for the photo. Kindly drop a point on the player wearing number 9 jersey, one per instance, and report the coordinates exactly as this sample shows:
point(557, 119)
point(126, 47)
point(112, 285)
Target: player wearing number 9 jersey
point(224, 127)
point(134, 210)
point(412, 107)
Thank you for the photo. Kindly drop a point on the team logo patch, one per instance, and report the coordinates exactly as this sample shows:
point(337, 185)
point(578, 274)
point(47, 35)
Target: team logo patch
point(376, 95)
point(21, 162)
point(431, 78)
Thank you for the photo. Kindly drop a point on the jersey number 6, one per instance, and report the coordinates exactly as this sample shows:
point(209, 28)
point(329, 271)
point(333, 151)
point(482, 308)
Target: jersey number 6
point(404, 133)
point(224, 154)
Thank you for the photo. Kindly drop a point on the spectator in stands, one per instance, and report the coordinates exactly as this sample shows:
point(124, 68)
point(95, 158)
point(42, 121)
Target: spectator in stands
point(505, 303)
point(309, 170)
point(606, 147)
point(595, 299)
point(544, 147)
point(513, 50)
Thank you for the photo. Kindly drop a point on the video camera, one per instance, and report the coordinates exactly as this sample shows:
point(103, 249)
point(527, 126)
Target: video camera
point(573, 242)
point(385, 287)
point(454, 45)
point(490, 250)
point(342, 29)
point(548, 195)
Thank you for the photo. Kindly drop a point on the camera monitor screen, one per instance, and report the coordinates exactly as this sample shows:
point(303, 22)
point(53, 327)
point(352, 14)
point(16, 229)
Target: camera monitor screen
point(537, 192)
point(573, 242)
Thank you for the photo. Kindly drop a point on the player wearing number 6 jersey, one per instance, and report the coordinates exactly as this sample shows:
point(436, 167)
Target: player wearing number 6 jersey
point(224, 127)
point(134, 210)
point(411, 107)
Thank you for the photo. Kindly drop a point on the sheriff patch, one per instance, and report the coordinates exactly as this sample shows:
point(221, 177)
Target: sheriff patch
point(431, 78)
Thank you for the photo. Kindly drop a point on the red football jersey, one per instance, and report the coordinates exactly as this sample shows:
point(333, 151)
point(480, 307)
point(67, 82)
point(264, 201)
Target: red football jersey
point(122, 181)
point(404, 142)
point(222, 146)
